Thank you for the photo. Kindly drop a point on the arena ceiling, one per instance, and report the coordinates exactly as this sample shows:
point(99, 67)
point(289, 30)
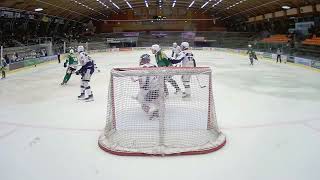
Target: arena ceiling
point(102, 9)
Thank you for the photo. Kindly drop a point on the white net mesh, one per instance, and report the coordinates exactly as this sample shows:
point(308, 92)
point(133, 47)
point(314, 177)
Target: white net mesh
point(180, 126)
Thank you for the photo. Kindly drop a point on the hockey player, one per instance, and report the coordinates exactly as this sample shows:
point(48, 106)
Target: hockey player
point(71, 63)
point(86, 70)
point(163, 61)
point(187, 60)
point(148, 95)
point(279, 53)
point(3, 68)
point(252, 54)
point(175, 50)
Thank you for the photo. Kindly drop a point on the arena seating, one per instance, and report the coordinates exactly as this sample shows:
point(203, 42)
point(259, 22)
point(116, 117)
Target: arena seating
point(278, 38)
point(216, 39)
point(314, 41)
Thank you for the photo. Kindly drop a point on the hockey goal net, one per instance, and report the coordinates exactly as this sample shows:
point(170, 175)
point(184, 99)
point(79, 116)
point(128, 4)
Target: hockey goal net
point(184, 126)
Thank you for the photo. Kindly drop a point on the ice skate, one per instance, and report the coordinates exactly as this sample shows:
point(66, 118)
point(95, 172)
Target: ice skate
point(81, 97)
point(89, 98)
point(178, 92)
point(186, 96)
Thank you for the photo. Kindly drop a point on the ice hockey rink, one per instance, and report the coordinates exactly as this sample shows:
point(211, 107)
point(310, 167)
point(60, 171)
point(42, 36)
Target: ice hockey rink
point(270, 114)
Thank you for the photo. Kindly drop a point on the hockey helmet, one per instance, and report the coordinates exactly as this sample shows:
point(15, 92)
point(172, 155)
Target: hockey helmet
point(174, 44)
point(155, 48)
point(80, 49)
point(184, 45)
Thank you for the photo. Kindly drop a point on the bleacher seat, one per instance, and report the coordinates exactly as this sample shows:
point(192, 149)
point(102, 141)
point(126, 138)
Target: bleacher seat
point(314, 41)
point(279, 38)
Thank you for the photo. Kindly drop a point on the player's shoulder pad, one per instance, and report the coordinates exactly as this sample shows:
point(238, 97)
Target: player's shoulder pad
point(83, 54)
point(189, 54)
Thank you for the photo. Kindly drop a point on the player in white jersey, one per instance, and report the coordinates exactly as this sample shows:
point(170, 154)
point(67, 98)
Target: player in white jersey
point(86, 70)
point(186, 59)
point(148, 95)
point(175, 50)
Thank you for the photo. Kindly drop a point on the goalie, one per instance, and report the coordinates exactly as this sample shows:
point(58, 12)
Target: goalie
point(148, 95)
point(71, 63)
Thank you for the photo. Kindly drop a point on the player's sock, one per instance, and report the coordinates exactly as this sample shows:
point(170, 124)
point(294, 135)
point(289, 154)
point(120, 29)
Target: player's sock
point(68, 76)
point(174, 84)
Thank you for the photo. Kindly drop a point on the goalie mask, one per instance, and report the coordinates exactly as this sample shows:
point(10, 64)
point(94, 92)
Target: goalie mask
point(71, 51)
point(144, 59)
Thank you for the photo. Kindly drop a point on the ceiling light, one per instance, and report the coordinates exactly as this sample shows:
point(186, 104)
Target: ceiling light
point(38, 9)
point(286, 7)
point(205, 4)
point(174, 3)
point(128, 4)
point(217, 3)
point(114, 4)
point(235, 4)
point(191, 3)
point(103, 4)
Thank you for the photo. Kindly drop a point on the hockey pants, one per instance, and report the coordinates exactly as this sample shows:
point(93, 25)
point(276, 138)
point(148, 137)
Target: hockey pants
point(85, 87)
point(279, 58)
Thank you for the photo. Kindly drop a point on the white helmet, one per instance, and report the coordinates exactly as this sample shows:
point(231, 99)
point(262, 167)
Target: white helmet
point(71, 51)
point(155, 48)
point(249, 45)
point(80, 49)
point(174, 44)
point(184, 45)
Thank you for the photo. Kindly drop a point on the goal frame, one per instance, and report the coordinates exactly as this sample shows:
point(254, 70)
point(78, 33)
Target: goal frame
point(130, 72)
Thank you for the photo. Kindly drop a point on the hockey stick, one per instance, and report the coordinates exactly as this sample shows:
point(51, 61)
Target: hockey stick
point(201, 86)
point(195, 65)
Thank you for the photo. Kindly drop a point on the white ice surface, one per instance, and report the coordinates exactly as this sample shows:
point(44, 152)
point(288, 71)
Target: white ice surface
point(269, 113)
